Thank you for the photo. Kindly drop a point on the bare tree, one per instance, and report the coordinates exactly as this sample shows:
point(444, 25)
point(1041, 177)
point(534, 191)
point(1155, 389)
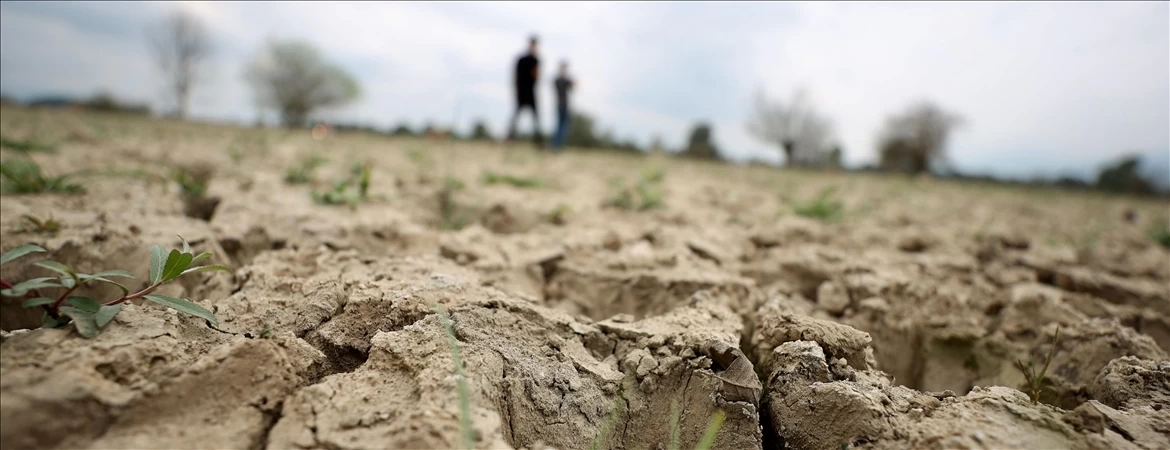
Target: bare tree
point(294, 78)
point(181, 45)
point(799, 131)
point(913, 139)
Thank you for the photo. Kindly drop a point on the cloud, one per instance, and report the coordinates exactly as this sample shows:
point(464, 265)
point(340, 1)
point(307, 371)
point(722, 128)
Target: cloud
point(1043, 86)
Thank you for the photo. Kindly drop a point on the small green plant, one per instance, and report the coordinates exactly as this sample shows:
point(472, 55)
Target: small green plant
point(558, 214)
point(490, 177)
point(33, 224)
point(302, 172)
point(1160, 232)
point(88, 315)
point(646, 194)
point(466, 432)
point(27, 146)
point(190, 183)
point(824, 207)
point(23, 176)
point(1036, 380)
point(712, 431)
point(350, 191)
point(451, 215)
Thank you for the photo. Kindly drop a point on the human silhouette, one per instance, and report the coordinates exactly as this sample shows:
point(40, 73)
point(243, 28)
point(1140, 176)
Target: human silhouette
point(563, 85)
point(527, 74)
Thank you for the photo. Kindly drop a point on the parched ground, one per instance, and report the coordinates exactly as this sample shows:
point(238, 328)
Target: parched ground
point(894, 323)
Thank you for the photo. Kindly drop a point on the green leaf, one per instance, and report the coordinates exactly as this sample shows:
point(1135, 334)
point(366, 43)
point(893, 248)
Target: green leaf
point(67, 282)
point(186, 246)
point(35, 302)
point(206, 268)
point(157, 259)
point(125, 290)
point(19, 251)
point(27, 285)
point(176, 264)
point(49, 322)
point(84, 321)
point(56, 267)
point(84, 303)
point(184, 306)
point(108, 273)
point(201, 257)
point(106, 314)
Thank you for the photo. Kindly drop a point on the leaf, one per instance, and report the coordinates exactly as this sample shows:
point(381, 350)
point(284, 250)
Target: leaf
point(56, 267)
point(125, 290)
point(67, 282)
point(35, 302)
point(205, 269)
point(201, 257)
point(186, 246)
point(106, 314)
point(176, 264)
point(157, 259)
point(49, 322)
point(84, 321)
point(19, 251)
point(23, 287)
point(184, 306)
point(84, 303)
point(109, 273)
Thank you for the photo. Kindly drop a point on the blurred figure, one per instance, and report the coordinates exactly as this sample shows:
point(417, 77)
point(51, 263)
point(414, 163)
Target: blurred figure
point(527, 74)
point(563, 85)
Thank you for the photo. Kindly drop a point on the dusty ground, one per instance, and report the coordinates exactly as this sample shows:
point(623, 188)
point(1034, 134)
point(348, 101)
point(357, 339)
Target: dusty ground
point(894, 326)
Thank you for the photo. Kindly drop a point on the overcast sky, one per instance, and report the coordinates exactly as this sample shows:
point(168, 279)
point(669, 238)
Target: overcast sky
point(1044, 87)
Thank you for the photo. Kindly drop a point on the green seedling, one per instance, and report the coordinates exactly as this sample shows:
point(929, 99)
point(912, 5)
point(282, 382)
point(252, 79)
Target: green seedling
point(490, 177)
point(451, 215)
point(27, 145)
point(1036, 380)
point(646, 194)
point(825, 207)
point(466, 432)
point(23, 176)
point(1160, 233)
point(302, 173)
point(190, 184)
point(558, 215)
point(34, 224)
point(350, 191)
point(90, 316)
point(712, 431)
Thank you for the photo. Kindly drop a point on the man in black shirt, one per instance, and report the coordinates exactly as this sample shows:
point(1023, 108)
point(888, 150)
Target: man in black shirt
point(527, 74)
point(563, 85)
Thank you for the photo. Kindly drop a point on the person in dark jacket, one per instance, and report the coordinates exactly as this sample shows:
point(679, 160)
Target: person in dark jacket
point(526, 77)
point(563, 85)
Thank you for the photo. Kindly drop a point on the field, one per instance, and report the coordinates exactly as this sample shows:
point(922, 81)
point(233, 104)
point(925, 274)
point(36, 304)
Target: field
point(596, 300)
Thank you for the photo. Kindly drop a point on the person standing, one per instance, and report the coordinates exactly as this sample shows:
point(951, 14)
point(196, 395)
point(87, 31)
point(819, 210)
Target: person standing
point(527, 74)
point(563, 85)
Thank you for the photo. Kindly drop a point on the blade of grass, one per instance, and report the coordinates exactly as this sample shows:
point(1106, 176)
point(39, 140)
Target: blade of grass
point(712, 432)
point(467, 434)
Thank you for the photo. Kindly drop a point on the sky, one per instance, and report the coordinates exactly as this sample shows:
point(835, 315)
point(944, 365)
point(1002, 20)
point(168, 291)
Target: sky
point(1044, 88)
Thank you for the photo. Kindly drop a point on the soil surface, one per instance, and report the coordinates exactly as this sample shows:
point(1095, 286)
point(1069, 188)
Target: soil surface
point(894, 322)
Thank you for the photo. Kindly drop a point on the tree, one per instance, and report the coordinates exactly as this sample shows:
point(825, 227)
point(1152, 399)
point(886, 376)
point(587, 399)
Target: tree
point(581, 133)
point(293, 77)
point(701, 142)
point(793, 126)
point(480, 132)
point(181, 46)
point(1124, 176)
point(402, 129)
point(915, 138)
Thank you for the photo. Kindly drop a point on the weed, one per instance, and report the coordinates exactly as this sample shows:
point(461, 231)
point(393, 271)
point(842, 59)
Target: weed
point(349, 191)
point(825, 207)
point(1160, 233)
point(465, 430)
point(1036, 380)
point(190, 183)
point(558, 214)
point(34, 224)
point(675, 443)
point(23, 176)
point(302, 173)
point(89, 316)
point(615, 413)
point(646, 194)
point(712, 431)
point(490, 177)
point(27, 145)
point(451, 215)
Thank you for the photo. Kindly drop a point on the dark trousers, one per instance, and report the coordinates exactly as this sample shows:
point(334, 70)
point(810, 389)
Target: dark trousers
point(537, 136)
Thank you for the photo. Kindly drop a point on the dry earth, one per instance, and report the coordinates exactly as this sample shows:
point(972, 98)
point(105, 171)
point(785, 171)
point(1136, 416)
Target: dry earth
point(895, 326)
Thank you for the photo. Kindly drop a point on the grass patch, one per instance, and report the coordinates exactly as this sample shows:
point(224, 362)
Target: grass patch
point(349, 191)
point(645, 195)
point(33, 224)
point(1160, 232)
point(24, 176)
point(824, 207)
point(31, 145)
point(452, 216)
point(302, 172)
point(490, 178)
